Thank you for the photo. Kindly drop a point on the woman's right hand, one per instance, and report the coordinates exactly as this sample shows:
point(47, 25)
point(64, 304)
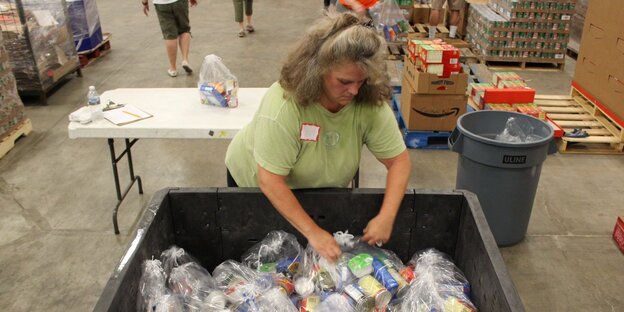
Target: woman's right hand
point(325, 244)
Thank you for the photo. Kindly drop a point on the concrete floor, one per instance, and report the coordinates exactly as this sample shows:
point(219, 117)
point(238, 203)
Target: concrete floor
point(57, 248)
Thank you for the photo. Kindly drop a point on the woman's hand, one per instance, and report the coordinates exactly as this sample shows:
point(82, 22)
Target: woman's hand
point(378, 230)
point(325, 244)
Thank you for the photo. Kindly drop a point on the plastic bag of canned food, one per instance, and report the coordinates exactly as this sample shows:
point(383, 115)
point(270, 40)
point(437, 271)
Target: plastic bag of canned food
point(439, 285)
point(217, 85)
point(248, 290)
point(278, 252)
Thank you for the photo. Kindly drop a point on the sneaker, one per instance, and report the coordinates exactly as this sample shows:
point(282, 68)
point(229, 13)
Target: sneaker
point(187, 67)
point(250, 28)
point(241, 33)
point(577, 133)
point(172, 72)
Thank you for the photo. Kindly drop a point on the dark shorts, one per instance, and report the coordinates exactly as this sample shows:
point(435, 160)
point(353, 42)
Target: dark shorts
point(173, 18)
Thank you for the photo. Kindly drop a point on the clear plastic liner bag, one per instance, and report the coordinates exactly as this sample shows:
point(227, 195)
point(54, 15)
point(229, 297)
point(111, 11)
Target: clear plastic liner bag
point(151, 285)
point(439, 285)
point(278, 252)
point(240, 284)
point(517, 131)
point(169, 303)
point(173, 257)
point(195, 285)
point(217, 85)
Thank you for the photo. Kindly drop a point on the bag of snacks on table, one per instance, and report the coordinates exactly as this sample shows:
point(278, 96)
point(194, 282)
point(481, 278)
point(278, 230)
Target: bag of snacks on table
point(217, 85)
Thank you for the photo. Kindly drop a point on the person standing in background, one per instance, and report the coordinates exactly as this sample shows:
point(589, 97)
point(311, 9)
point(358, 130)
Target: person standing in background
point(436, 9)
point(247, 5)
point(173, 16)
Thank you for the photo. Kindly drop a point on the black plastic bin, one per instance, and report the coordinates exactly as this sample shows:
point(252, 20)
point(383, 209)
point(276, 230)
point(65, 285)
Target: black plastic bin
point(215, 224)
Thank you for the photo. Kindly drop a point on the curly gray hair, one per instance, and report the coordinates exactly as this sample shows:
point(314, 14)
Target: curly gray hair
point(334, 41)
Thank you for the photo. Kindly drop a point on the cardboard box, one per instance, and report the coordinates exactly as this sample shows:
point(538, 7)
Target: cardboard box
point(618, 233)
point(431, 112)
point(425, 83)
point(511, 96)
point(600, 64)
point(421, 13)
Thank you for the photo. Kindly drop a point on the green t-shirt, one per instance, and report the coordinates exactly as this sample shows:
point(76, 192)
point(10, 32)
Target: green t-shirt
point(310, 145)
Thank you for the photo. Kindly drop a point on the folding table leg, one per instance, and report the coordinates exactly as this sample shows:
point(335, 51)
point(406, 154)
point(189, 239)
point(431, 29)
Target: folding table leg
point(115, 159)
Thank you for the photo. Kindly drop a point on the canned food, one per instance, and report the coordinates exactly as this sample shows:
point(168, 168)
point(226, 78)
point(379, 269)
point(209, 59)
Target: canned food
point(373, 288)
point(309, 304)
point(358, 299)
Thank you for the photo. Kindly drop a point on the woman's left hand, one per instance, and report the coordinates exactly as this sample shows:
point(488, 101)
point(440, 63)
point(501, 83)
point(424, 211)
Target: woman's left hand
point(378, 230)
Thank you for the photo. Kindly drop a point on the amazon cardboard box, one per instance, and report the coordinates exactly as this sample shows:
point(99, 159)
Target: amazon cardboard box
point(430, 112)
point(427, 83)
point(599, 69)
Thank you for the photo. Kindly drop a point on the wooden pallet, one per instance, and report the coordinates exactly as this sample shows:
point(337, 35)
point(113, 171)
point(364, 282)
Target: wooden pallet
point(422, 31)
point(496, 63)
point(87, 57)
point(605, 137)
point(396, 51)
point(24, 128)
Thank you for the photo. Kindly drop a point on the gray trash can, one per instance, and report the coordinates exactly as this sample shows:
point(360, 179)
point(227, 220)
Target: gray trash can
point(503, 175)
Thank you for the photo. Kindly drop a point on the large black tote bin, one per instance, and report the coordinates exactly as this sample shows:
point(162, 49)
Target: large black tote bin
point(216, 224)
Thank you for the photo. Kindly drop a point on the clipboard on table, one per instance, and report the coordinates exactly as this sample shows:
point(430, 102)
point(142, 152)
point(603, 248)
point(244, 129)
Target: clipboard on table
point(125, 115)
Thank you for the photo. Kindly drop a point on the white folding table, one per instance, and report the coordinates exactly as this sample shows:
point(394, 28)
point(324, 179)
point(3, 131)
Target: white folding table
point(177, 114)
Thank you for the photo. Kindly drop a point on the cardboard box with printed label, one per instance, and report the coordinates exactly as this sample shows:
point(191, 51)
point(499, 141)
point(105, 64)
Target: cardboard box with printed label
point(430, 112)
point(426, 83)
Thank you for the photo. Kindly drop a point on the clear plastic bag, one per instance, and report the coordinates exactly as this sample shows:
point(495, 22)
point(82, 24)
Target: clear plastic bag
point(517, 131)
point(151, 286)
point(240, 284)
point(169, 303)
point(439, 285)
point(193, 283)
point(390, 20)
point(174, 257)
point(316, 275)
point(217, 85)
point(278, 252)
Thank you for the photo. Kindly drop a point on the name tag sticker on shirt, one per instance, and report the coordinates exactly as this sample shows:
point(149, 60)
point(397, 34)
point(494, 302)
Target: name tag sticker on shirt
point(310, 132)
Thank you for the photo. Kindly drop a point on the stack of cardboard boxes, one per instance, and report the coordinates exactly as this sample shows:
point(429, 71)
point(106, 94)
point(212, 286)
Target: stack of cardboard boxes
point(11, 107)
point(434, 86)
point(599, 71)
point(507, 92)
point(523, 30)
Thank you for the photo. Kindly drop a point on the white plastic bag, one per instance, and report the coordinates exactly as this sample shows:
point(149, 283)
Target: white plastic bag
point(217, 86)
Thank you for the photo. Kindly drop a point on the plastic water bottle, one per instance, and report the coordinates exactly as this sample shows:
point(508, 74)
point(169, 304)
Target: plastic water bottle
point(93, 97)
point(93, 101)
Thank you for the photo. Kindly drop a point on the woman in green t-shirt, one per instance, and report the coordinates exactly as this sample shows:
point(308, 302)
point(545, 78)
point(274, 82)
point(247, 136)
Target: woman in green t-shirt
point(311, 126)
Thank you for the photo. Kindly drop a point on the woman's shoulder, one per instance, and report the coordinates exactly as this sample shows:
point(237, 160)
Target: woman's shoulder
point(276, 104)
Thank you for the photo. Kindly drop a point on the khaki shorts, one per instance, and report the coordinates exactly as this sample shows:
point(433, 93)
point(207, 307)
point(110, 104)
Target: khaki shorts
point(453, 4)
point(173, 18)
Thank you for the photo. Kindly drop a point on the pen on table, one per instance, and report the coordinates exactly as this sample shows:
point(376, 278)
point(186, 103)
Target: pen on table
point(129, 113)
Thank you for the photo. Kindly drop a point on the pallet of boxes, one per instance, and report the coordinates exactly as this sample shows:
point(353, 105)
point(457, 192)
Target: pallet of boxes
point(13, 123)
point(521, 33)
point(432, 93)
point(508, 92)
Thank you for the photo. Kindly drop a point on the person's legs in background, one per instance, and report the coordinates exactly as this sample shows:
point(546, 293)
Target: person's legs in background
point(168, 26)
point(238, 16)
point(184, 29)
point(248, 14)
point(434, 16)
point(455, 6)
point(326, 4)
